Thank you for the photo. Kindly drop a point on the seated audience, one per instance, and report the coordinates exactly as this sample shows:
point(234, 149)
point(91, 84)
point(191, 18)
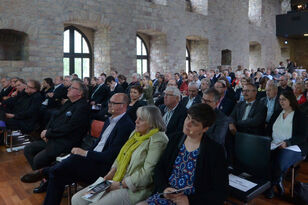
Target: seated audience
point(135, 81)
point(86, 166)
point(58, 94)
point(101, 94)
point(132, 171)
point(21, 112)
point(283, 84)
point(147, 90)
point(64, 131)
point(93, 87)
point(193, 97)
point(288, 129)
point(192, 161)
point(249, 115)
point(205, 84)
point(122, 81)
point(219, 129)
point(271, 101)
point(262, 87)
point(135, 102)
point(225, 104)
point(20, 88)
point(184, 85)
point(298, 90)
point(159, 86)
point(113, 86)
point(6, 87)
point(47, 87)
point(173, 111)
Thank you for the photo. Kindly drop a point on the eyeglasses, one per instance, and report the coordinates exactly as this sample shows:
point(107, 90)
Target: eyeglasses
point(73, 88)
point(30, 87)
point(206, 101)
point(115, 103)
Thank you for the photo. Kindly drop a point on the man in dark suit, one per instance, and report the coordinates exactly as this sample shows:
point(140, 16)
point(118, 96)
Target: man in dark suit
point(283, 85)
point(249, 115)
point(64, 131)
point(113, 86)
point(290, 66)
point(225, 104)
point(218, 131)
point(21, 112)
point(193, 97)
point(271, 100)
point(174, 112)
point(101, 94)
point(59, 93)
point(87, 166)
point(6, 87)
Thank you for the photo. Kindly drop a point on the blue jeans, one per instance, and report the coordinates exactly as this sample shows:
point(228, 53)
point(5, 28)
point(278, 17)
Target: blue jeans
point(282, 159)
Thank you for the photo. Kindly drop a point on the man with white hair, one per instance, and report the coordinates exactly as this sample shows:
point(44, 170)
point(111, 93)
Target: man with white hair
point(193, 97)
point(174, 112)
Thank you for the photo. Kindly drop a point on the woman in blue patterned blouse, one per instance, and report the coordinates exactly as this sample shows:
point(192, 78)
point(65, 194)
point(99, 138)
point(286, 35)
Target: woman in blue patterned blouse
point(192, 162)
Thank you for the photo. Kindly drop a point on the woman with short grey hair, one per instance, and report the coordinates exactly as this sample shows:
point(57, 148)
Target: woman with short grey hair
point(132, 171)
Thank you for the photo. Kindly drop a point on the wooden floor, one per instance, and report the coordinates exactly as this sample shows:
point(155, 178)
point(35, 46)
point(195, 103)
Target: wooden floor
point(14, 192)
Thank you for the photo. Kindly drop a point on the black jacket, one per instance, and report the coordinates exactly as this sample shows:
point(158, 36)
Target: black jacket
point(6, 92)
point(299, 130)
point(196, 100)
point(254, 124)
point(101, 95)
point(114, 143)
point(211, 177)
point(176, 121)
point(58, 94)
point(69, 125)
point(131, 110)
point(226, 105)
point(26, 108)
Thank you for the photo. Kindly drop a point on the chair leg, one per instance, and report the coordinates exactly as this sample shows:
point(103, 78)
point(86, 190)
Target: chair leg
point(11, 143)
point(292, 182)
point(69, 193)
point(5, 137)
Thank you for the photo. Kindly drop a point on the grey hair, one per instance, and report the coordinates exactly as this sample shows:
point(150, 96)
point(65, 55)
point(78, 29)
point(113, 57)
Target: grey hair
point(152, 115)
point(208, 81)
point(83, 88)
point(271, 83)
point(300, 83)
point(69, 77)
point(175, 91)
point(193, 84)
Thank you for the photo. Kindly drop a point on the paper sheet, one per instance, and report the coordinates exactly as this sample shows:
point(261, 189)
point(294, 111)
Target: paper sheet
point(294, 148)
point(240, 183)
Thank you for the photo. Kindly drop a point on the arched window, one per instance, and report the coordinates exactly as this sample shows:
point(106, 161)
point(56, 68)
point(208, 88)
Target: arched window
point(142, 56)
point(187, 61)
point(77, 53)
point(13, 45)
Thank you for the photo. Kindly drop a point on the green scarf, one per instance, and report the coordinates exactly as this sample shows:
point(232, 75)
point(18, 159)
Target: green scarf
point(127, 150)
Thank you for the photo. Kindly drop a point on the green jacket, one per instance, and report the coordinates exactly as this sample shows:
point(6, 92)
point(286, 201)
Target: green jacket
point(139, 173)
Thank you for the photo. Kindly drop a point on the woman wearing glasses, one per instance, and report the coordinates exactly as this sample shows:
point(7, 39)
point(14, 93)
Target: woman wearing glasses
point(288, 129)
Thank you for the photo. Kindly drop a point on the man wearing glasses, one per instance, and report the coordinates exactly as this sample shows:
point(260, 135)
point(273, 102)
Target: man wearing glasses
point(87, 165)
point(65, 130)
point(249, 115)
point(21, 112)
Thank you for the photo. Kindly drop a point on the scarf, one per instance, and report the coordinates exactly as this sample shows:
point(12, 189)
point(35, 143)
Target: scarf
point(127, 150)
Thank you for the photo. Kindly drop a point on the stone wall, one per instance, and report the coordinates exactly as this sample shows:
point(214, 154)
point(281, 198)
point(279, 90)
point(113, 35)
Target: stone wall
point(114, 25)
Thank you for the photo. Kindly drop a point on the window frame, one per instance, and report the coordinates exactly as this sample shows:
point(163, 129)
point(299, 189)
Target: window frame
point(188, 58)
point(143, 57)
point(71, 55)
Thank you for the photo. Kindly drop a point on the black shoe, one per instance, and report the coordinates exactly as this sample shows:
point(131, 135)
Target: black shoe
point(269, 194)
point(32, 177)
point(280, 187)
point(41, 188)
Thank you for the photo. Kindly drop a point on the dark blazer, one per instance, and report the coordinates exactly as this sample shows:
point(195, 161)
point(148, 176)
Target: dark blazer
point(69, 125)
point(280, 89)
point(254, 124)
point(101, 95)
point(226, 105)
point(117, 89)
point(299, 130)
point(114, 143)
point(211, 177)
point(176, 122)
point(6, 92)
point(277, 106)
point(131, 110)
point(196, 100)
point(218, 131)
point(58, 94)
point(25, 108)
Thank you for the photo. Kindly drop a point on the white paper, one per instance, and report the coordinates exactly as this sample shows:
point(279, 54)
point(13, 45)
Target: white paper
point(240, 183)
point(294, 148)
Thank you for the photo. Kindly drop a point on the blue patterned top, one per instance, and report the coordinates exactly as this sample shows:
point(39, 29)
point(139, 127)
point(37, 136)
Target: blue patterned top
point(183, 175)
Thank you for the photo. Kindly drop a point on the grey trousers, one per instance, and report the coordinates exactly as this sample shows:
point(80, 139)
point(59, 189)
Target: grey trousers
point(116, 197)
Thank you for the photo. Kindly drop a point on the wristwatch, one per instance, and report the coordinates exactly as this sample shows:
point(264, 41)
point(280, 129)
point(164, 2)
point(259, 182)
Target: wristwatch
point(121, 185)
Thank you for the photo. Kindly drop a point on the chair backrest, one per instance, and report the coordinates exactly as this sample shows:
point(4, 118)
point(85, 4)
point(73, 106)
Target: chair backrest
point(252, 154)
point(96, 128)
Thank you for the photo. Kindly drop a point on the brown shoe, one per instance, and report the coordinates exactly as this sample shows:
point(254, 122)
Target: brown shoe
point(32, 177)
